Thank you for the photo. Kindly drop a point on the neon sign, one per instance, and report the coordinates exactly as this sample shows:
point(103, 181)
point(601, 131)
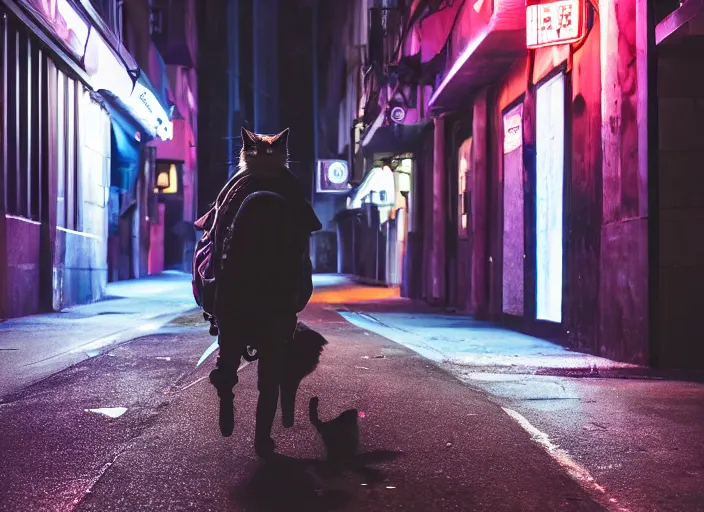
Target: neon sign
point(555, 23)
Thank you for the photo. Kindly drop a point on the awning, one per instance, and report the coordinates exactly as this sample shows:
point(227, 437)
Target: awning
point(687, 20)
point(125, 150)
point(159, 78)
point(484, 45)
point(433, 30)
point(390, 137)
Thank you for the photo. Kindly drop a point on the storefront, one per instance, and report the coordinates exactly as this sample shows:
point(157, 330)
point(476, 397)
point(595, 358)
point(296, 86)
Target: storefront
point(536, 178)
point(54, 179)
point(62, 83)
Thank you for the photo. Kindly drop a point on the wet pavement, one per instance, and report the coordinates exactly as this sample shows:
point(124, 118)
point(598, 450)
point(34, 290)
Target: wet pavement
point(134, 428)
point(35, 347)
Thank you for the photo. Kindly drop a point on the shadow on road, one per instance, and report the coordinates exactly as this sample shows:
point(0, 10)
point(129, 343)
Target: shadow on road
point(289, 484)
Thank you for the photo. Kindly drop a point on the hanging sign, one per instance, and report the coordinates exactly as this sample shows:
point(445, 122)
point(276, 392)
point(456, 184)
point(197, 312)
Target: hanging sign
point(333, 176)
point(513, 135)
point(554, 23)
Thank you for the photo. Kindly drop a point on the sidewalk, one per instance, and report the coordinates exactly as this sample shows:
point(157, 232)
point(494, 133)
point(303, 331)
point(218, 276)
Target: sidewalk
point(34, 347)
point(632, 431)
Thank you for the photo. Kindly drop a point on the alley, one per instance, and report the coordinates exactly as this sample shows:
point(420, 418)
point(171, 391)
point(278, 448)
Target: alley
point(134, 428)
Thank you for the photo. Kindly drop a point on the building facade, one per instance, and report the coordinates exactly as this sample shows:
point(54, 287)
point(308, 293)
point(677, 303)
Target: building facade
point(543, 154)
point(84, 118)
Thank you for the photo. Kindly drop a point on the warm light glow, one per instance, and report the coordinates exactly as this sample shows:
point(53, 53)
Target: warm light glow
point(553, 23)
point(173, 180)
point(162, 180)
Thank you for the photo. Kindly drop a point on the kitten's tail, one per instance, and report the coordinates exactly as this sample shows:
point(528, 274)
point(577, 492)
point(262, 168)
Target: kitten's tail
point(313, 412)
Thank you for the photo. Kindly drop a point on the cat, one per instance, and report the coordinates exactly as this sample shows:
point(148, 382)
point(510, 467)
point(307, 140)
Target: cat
point(264, 154)
point(262, 226)
point(340, 435)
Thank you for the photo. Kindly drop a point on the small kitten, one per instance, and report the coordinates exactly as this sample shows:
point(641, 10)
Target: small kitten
point(340, 435)
point(264, 153)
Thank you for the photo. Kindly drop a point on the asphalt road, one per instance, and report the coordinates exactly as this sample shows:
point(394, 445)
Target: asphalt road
point(430, 442)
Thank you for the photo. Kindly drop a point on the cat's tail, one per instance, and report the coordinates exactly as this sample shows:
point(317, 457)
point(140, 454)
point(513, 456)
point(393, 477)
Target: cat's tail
point(313, 412)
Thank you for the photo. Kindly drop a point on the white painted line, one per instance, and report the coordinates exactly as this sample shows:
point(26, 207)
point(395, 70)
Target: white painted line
point(192, 383)
point(573, 468)
point(110, 412)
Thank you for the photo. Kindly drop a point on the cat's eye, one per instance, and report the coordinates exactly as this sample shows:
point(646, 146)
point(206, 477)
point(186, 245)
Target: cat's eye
point(269, 151)
point(252, 152)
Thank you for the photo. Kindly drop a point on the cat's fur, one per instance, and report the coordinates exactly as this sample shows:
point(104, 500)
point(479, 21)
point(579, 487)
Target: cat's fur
point(340, 435)
point(264, 154)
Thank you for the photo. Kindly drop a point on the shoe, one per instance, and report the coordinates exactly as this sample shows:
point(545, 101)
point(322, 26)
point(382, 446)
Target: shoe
point(264, 447)
point(227, 413)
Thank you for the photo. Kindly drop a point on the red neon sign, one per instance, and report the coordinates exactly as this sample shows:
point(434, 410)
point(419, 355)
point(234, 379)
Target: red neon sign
point(554, 23)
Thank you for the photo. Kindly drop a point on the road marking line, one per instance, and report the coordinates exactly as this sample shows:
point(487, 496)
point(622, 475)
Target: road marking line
point(573, 468)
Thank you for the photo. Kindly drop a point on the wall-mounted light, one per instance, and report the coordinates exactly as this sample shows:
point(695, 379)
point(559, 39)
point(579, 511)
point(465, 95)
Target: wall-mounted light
point(398, 114)
point(162, 180)
point(167, 181)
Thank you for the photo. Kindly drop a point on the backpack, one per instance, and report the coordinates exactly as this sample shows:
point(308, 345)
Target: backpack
point(205, 257)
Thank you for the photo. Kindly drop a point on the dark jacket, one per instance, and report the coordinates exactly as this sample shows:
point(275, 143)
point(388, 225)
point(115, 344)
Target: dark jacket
point(266, 271)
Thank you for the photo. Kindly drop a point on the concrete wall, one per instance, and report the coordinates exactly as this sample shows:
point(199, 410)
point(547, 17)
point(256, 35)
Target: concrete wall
point(681, 200)
point(22, 238)
point(605, 277)
point(80, 271)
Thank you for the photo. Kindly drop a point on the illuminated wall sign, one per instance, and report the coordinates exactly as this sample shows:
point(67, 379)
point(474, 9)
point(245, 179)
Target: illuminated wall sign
point(332, 176)
point(513, 134)
point(108, 73)
point(554, 23)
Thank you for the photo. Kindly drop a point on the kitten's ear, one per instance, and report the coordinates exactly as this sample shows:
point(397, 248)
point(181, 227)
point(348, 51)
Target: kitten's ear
point(282, 138)
point(248, 139)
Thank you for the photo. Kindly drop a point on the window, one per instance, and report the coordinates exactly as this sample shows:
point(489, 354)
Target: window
point(108, 11)
point(464, 188)
point(21, 139)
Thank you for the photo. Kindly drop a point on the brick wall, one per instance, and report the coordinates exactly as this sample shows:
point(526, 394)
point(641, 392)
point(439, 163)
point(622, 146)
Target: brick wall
point(681, 198)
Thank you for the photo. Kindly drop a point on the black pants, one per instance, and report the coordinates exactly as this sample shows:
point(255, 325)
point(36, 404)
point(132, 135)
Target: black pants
point(268, 335)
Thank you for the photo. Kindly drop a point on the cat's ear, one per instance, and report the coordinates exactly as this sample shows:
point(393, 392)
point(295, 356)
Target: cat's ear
point(281, 140)
point(249, 141)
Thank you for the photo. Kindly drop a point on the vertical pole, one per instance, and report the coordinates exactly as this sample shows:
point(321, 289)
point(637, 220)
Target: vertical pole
point(314, 38)
point(265, 44)
point(314, 49)
point(437, 255)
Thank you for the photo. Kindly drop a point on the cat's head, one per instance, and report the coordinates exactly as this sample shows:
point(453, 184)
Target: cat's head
point(264, 153)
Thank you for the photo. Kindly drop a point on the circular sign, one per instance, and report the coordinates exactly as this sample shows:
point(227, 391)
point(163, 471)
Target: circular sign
point(398, 114)
point(337, 173)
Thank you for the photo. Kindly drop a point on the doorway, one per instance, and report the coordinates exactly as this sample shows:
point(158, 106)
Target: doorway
point(514, 252)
